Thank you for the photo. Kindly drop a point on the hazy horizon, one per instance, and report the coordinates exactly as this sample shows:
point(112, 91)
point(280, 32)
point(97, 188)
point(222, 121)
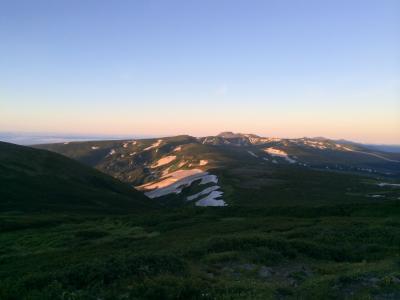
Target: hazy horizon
point(35, 138)
point(162, 68)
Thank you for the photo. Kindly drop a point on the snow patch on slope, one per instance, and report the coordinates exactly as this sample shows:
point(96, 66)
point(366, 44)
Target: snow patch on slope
point(182, 163)
point(315, 144)
point(279, 153)
point(203, 192)
point(203, 162)
point(164, 161)
point(165, 172)
point(154, 145)
point(382, 184)
point(252, 154)
point(211, 200)
point(174, 182)
point(179, 148)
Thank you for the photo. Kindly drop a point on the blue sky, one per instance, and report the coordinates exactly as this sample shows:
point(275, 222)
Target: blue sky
point(276, 68)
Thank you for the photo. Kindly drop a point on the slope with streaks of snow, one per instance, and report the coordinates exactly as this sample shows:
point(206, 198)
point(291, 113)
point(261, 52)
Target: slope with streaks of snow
point(164, 166)
point(174, 183)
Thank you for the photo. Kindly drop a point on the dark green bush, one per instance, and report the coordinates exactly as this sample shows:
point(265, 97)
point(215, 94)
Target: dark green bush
point(105, 272)
point(170, 287)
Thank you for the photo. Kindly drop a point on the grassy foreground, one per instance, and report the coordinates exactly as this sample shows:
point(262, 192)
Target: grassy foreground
point(346, 251)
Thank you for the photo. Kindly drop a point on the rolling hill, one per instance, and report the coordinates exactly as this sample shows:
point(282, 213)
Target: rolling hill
point(39, 180)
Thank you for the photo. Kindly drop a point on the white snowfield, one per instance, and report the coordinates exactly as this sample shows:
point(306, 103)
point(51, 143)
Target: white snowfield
point(203, 192)
point(279, 153)
point(154, 145)
point(314, 144)
point(179, 148)
point(276, 152)
point(211, 200)
point(261, 140)
point(252, 153)
point(182, 163)
point(95, 147)
point(346, 148)
point(112, 152)
point(125, 145)
point(166, 171)
point(253, 140)
point(209, 178)
point(376, 196)
point(209, 139)
point(164, 161)
point(176, 181)
point(172, 178)
point(203, 162)
point(382, 184)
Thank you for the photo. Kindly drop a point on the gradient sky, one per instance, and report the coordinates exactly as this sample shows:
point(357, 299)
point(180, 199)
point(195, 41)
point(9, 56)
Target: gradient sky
point(275, 68)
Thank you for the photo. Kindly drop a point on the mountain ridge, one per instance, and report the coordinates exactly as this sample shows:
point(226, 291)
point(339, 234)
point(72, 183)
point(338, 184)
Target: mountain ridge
point(180, 167)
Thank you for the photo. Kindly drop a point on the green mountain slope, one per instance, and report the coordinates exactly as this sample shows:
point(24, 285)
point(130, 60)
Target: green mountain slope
point(243, 170)
point(39, 180)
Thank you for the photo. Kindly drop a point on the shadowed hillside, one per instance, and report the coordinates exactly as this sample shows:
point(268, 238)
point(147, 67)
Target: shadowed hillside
point(39, 180)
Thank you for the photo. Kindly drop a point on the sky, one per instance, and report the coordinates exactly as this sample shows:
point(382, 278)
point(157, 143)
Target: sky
point(284, 68)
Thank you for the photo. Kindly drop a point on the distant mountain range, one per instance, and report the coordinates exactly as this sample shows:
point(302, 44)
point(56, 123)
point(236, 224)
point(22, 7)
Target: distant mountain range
point(246, 169)
point(47, 138)
point(226, 169)
point(31, 138)
point(385, 148)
